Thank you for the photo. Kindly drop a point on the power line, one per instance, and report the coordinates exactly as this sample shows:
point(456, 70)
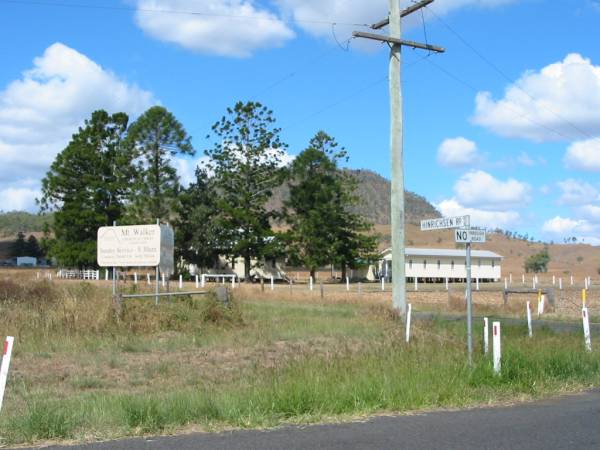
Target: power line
point(507, 78)
point(351, 95)
point(171, 11)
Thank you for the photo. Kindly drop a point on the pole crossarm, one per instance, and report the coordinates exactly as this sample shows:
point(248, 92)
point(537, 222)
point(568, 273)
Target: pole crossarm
point(411, 9)
point(392, 40)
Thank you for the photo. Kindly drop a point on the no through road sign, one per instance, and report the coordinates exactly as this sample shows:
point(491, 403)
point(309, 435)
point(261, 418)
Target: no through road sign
point(466, 236)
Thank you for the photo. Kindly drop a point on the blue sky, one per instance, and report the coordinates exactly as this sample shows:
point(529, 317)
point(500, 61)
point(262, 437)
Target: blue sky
point(503, 126)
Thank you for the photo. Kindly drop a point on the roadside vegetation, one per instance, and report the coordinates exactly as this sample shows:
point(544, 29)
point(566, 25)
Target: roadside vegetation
point(80, 372)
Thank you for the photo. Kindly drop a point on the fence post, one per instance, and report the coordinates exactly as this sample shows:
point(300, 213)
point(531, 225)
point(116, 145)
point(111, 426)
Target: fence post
point(135, 279)
point(202, 280)
point(197, 284)
point(272, 283)
point(310, 283)
point(529, 330)
point(408, 315)
point(586, 329)
point(383, 284)
point(322, 293)
point(8, 346)
point(446, 283)
point(416, 284)
point(347, 284)
point(497, 347)
point(485, 336)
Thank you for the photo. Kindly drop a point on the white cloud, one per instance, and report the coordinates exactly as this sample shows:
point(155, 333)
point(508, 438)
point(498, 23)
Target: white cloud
point(40, 111)
point(575, 192)
point(562, 225)
point(314, 16)
point(589, 212)
point(561, 101)
point(229, 27)
point(457, 152)
point(186, 168)
point(545, 189)
point(479, 217)
point(584, 230)
point(584, 155)
point(481, 190)
point(18, 198)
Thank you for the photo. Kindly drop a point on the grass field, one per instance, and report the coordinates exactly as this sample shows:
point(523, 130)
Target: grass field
point(80, 372)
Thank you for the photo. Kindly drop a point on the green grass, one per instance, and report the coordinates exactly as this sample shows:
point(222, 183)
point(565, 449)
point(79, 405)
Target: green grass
point(389, 376)
point(261, 364)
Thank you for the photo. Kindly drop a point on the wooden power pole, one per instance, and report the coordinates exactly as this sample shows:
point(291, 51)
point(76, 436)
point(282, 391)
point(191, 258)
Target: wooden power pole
point(395, 41)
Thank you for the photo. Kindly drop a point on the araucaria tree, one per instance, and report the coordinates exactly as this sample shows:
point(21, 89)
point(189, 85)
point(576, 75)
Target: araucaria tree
point(155, 137)
point(246, 160)
point(200, 239)
point(87, 185)
point(323, 230)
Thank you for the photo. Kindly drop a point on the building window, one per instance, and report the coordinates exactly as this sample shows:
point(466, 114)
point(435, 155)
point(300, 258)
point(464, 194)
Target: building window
point(424, 264)
point(410, 263)
point(439, 264)
point(452, 265)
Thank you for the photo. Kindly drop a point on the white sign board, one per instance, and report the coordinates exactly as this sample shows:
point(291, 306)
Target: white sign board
point(445, 222)
point(134, 245)
point(466, 236)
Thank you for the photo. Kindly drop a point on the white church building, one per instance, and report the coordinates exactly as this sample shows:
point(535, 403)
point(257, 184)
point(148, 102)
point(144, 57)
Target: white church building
point(433, 264)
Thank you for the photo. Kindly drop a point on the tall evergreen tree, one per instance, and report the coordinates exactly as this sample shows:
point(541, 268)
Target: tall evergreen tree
point(32, 247)
point(322, 228)
point(87, 185)
point(246, 160)
point(155, 137)
point(19, 247)
point(199, 238)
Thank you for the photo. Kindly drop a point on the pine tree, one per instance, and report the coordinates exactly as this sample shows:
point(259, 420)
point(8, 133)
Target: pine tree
point(87, 185)
point(19, 247)
point(156, 137)
point(323, 230)
point(246, 160)
point(198, 237)
point(32, 247)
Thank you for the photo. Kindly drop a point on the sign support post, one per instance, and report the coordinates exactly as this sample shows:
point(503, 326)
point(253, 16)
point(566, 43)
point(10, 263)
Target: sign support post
point(469, 309)
point(114, 280)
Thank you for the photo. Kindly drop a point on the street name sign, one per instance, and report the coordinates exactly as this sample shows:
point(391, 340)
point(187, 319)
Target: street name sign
point(135, 246)
point(445, 222)
point(469, 236)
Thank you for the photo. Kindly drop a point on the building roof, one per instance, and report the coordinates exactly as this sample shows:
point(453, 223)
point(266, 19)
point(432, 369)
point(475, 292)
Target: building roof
point(387, 254)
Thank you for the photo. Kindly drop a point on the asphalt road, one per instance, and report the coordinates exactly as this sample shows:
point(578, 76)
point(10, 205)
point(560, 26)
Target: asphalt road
point(571, 422)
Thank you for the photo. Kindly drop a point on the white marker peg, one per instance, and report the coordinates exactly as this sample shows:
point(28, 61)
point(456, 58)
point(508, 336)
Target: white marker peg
point(496, 347)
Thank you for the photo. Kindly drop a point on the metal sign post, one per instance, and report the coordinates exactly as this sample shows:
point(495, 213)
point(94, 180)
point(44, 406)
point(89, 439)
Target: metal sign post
point(465, 235)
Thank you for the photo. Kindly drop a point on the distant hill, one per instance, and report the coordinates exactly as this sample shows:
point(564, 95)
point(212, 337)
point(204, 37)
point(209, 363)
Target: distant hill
point(374, 193)
point(14, 221)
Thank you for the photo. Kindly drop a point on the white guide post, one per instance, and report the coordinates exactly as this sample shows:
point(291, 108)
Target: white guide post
point(505, 283)
point(446, 283)
point(203, 280)
point(408, 314)
point(416, 284)
point(510, 278)
point(272, 283)
point(560, 284)
point(105, 274)
point(8, 346)
point(486, 335)
point(197, 284)
point(383, 284)
point(523, 278)
point(163, 278)
point(571, 280)
point(347, 284)
point(310, 283)
point(148, 278)
point(135, 278)
point(586, 329)
point(233, 282)
point(496, 347)
point(553, 280)
point(529, 329)
point(180, 281)
point(477, 283)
